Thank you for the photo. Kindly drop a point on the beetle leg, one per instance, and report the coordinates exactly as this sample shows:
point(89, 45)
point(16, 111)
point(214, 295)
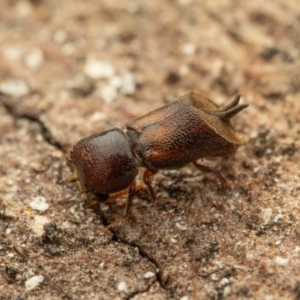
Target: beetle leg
point(148, 174)
point(131, 194)
point(92, 201)
point(91, 198)
point(69, 161)
point(122, 193)
point(208, 169)
point(72, 177)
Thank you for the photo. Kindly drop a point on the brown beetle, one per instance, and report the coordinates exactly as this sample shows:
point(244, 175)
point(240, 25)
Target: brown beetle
point(170, 137)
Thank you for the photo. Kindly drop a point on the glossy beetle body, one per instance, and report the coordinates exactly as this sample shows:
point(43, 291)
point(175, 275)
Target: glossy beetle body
point(170, 137)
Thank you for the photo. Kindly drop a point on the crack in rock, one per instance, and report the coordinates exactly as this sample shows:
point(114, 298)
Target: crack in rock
point(45, 131)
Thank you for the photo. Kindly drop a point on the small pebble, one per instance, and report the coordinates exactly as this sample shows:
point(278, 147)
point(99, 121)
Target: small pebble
point(224, 281)
point(181, 227)
point(122, 286)
point(266, 214)
point(226, 291)
point(34, 59)
point(116, 81)
point(39, 203)
point(97, 69)
point(281, 261)
point(33, 282)
point(128, 86)
point(278, 217)
point(8, 230)
point(108, 94)
point(37, 225)
point(149, 275)
point(14, 87)
point(97, 116)
point(188, 49)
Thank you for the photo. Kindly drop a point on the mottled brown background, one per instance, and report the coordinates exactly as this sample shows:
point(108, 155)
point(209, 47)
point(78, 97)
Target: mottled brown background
point(198, 241)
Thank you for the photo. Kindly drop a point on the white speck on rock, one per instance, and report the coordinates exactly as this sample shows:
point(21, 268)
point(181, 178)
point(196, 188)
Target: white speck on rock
point(39, 203)
point(184, 70)
point(181, 227)
point(174, 241)
point(224, 281)
point(33, 282)
point(116, 81)
point(108, 93)
point(188, 49)
point(104, 207)
point(256, 169)
point(8, 230)
point(67, 225)
point(97, 69)
point(297, 249)
point(97, 116)
point(37, 225)
point(266, 214)
point(226, 291)
point(281, 261)
point(278, 217)
point(184, 298)
point(14, 87)
point(128, 86)
point(122, 286)
point(34, 59)
point(149, 275)
point(214, 277)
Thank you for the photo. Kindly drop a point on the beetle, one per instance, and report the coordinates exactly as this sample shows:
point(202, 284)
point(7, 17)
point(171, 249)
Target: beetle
point(170, 137)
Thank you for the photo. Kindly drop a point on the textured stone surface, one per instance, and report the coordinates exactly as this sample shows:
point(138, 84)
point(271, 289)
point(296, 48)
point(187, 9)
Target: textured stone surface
point(198, 241)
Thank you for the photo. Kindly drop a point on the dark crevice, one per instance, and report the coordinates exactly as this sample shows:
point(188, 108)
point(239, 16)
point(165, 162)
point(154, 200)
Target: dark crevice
point(45, 132)
point(142, 252)
point(145, 255)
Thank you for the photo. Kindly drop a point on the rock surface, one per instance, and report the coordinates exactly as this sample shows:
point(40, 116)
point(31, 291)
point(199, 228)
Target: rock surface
point(198, 241)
